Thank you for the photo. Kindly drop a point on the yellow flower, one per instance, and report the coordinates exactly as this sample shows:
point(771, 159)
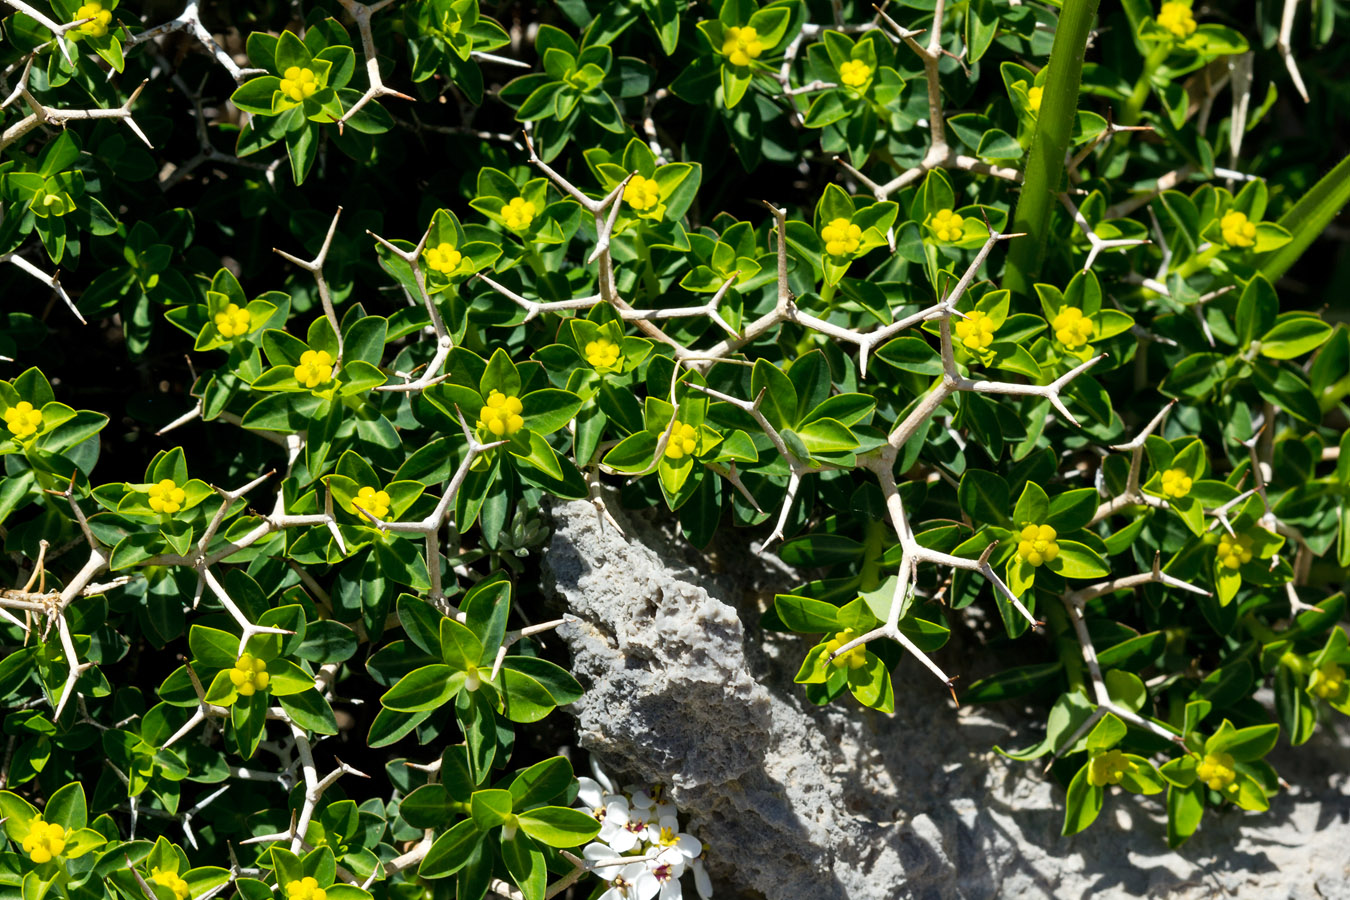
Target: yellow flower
point(443, 258)
point(853, 659)
point(1108, 768)
point(841, 237)
point(1176, 483)
point(1072, 327)
point(641, 193)
point(23, 420)
point(602, 353)
point(1237, 230)
point(45, 841)
point(1216, 770)
point(501, 415)
point(372, 501)
point(299, 83)
point(1034, 98)
point(166, 497)
point(518, 214)
point(249, 675)
point(740, 45)
point(1234, 551)
point(173, 881)
point(101, 17)
point(233, 322)
point(1177, 18)
point(976, 331)
point(1036, 544)
point(855, 73)
point(683, 440)
point(305, 889)
point(316, 368)
point(1327, 680)
point(947, 225)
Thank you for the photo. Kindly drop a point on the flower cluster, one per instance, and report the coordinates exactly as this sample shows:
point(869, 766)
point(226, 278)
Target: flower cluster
point(602, 353)
point(855, 73)
point(947, 225)
point(306, 888)
point(1176, 483)
point(249, 675)
point(683, 440)
point(373, 501)
point(23, 420)
point(975, 331)
point(1034, 96)
point(1108, 768)
point(316, 368)
point(166, 497)
point(841, 237)
point(518, 214)
point(233, 321)
point(1327, 680)
point(99, 17)
point(173, 881)
point(45, 841)
point(1177, 18)
point(854, 659)
point(299, 83)
point(501, 415)
point(1072, 328)
point(443, 258)
point(1216, 770)
point(1237, 229)
point(642, 193)
point(640, 851)
point(1036, 544)
point(1234, 551)
point(740, 45)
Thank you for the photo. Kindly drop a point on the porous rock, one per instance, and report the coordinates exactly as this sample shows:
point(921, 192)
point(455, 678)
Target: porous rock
point(839, 803)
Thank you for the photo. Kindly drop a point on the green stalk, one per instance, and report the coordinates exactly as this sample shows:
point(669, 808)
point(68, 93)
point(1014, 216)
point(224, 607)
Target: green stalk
point(650, 282)
point(1054, 126)
point(1144, 86)
point(874, 535)
point(1309, 217)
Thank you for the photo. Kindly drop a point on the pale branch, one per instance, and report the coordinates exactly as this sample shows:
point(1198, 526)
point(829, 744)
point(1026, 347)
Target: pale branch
point(315, 268)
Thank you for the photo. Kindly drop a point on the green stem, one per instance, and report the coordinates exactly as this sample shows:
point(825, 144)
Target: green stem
point(1066, 645)
point(827, 292)
point(1054, 126)
point(650, 283)
point(1129, 115)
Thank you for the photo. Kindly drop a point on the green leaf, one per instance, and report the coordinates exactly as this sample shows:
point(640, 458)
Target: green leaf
point(451, 850)
point(807, 616)
point(490, 808)
point(422, 689)
point(1082, 804)
point(558, 826)
point(1294, 335)
point(1307, 219)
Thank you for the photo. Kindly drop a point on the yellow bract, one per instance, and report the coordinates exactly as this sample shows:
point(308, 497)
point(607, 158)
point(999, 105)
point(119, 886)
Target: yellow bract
point(855, 73)
point(641, 193)
point(947, 225)
point(1327, 680)
point(166, 496)
point(45, 841)
point(1034, 98)
point(740, 45)
point(233, 322)
point(841, 237)
point(101, 17)
point(602, 353)
point(1176, 483)
point(683, 440)
point(305, 889)
point(1036, 544)
point(316, 368)
point(1237, 230)
point(976, 331)
point(518, 214)
point(249, 675)
point(501, 415)
point(1108, 768)
point(1216, 770)
point(853, 659)
point(173, 881)
point(1072, 328)
point(299, 83)
point(23, 420)
point(373, 501)
point(1177, 18)
point(443, 258)
point(1234, 551)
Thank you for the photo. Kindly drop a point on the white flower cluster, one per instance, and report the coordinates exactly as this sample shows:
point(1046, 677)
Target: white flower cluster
point(640, 850)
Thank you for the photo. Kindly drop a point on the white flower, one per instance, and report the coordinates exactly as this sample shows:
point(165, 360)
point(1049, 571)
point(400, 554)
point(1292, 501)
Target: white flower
point(622, 828)
point(656, 799)
point(667, 835)
point(604, 780)
point(631, 882)
point(701, 880)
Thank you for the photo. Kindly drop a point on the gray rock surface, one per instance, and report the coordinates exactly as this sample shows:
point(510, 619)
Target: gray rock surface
point(797, 802)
